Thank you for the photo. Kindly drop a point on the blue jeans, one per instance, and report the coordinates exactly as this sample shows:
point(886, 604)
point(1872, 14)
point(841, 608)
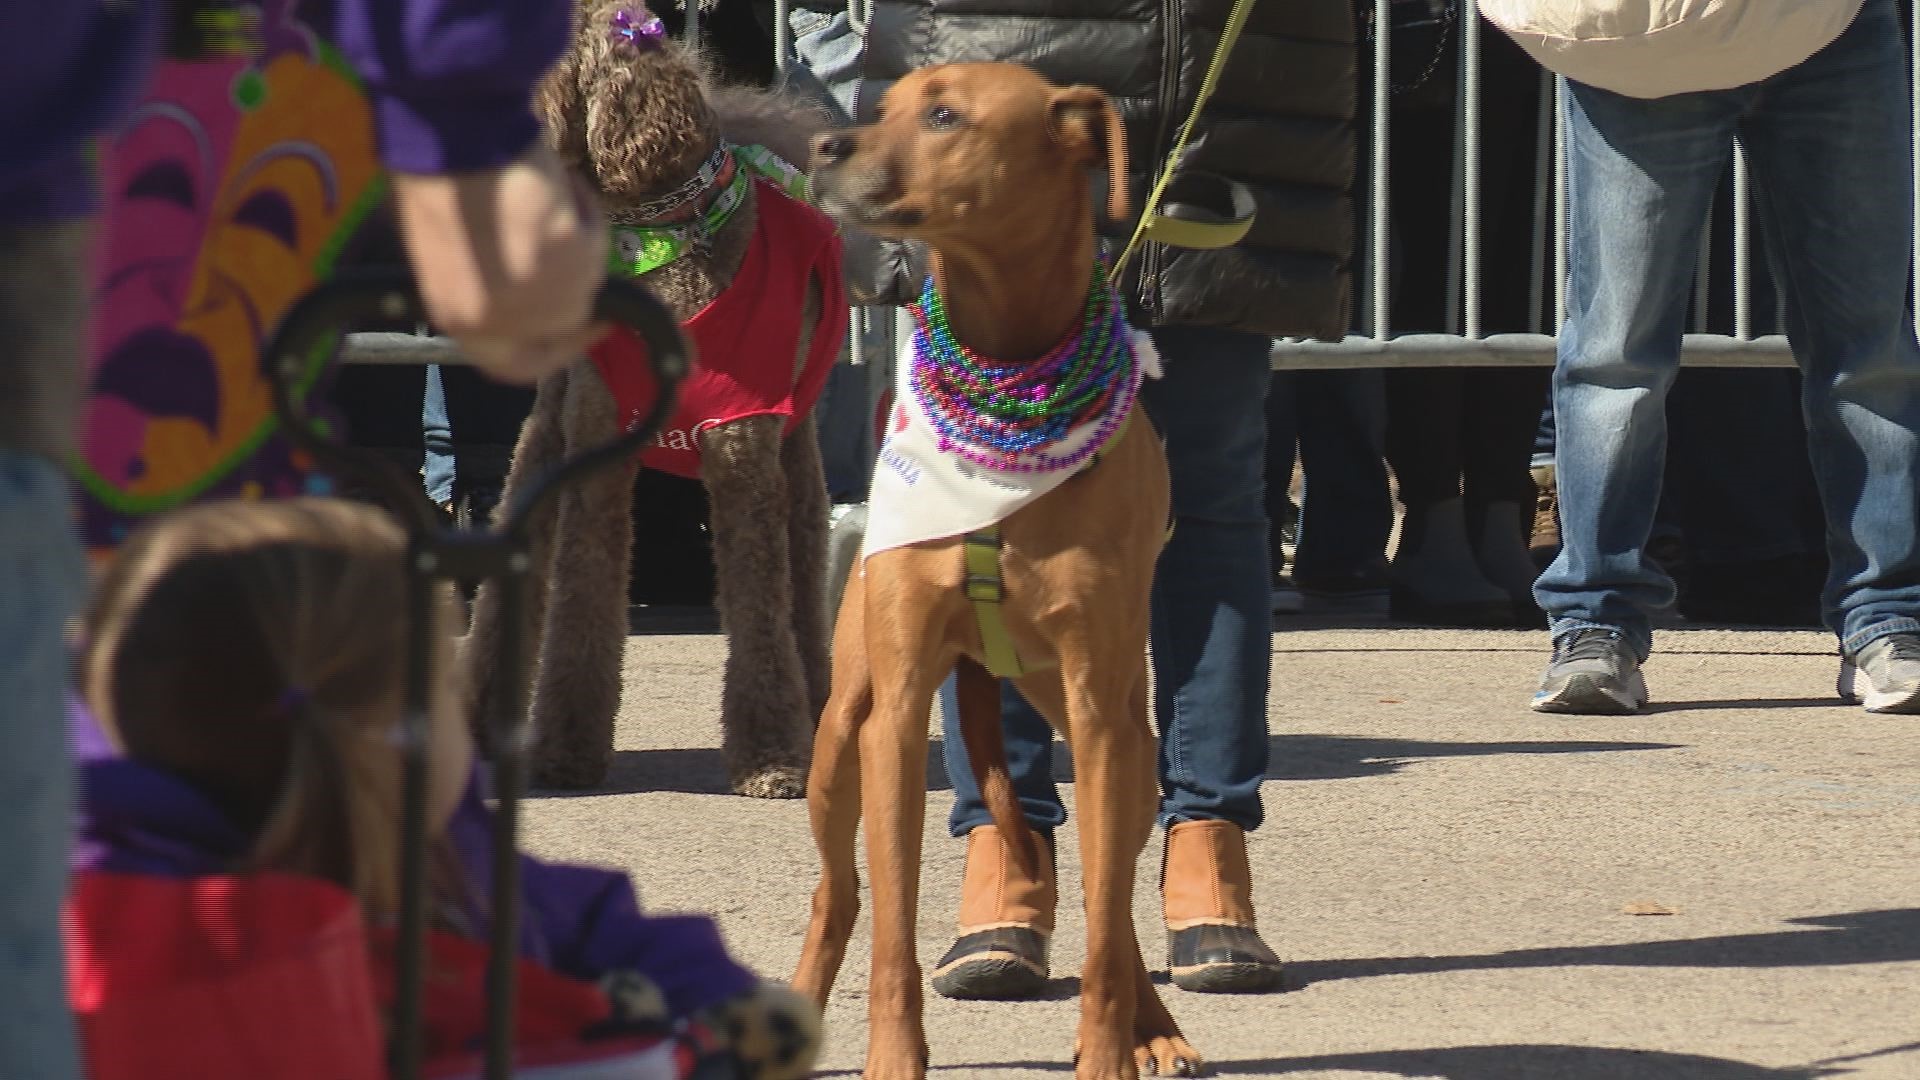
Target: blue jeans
point(826, 68)
point(1830, 143)
point(827, 50)
point(438, 472)
point(1211, 631)
point(470, 425)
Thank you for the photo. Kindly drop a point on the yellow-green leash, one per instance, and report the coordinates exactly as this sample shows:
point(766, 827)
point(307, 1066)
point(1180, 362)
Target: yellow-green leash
point(1180, 232)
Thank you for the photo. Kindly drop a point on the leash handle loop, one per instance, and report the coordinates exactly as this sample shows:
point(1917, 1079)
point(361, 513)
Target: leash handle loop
point(1190, 232)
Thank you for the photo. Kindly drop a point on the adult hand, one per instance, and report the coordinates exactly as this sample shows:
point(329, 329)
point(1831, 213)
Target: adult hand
point(509, 261)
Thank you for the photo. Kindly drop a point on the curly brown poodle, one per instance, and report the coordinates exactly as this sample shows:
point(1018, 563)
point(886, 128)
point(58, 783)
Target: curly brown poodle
point(636, 114)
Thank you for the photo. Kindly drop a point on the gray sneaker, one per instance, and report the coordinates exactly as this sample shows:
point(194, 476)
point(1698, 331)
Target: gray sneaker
point(1593, 671)
point(1884, 676)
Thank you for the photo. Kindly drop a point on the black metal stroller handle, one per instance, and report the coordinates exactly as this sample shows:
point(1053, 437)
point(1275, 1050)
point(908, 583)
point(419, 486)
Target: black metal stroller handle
point(298, 352)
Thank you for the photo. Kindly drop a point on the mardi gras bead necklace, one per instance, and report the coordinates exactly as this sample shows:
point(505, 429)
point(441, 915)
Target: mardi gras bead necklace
point(1005, 415)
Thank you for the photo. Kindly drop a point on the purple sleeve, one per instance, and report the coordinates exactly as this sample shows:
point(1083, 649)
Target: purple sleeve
point(452, 80)
point(69, 72)
point(592, 924)
point(585, 922)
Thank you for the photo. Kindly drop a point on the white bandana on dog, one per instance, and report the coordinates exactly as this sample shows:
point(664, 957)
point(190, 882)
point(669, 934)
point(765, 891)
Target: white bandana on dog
point(921, 493)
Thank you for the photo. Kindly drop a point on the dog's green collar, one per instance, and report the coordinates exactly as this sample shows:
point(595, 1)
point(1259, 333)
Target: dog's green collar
point(640, 249)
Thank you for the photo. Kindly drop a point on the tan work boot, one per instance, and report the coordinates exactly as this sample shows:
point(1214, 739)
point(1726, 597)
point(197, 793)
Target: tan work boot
point(1544, 543)
point(1006, 921)
point(1206, 888)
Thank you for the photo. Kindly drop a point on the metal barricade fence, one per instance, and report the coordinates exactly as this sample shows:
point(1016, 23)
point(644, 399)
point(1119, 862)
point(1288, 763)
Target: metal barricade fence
point(1461, 344)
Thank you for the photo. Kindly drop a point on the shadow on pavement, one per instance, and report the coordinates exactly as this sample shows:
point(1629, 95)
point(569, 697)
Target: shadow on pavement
point(690, 771)
point(1518, 1061)
point(685, 772)
point(1526, 1062)
point(1347, 757)
point(1344, 757)
point(1827, 702)
point(1859, 937)
point(1292, 757)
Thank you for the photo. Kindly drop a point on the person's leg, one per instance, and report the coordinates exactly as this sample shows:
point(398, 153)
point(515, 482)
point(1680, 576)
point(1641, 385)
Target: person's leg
point(438, 471)
point(843, 417)
point(826, 62)
point(483, 423)
point(1212, 641)
point(382, 406)
point(1282, 449)
point(1436, 578)
point(42, 575)
point(1346, 511)
point(1006, 917)
point(1640, 176)
point(1831, 143)
point(1502, 419)
point(825, 66)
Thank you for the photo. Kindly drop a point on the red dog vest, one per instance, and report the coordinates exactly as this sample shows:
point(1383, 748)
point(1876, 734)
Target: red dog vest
point(744, 341)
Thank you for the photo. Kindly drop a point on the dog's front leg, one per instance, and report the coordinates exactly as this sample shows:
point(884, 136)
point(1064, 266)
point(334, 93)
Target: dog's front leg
point(1113, 778)
point(576, 692)
point(907, 668)
point(1158, 1046)
point(833, 800)
point(765, 715)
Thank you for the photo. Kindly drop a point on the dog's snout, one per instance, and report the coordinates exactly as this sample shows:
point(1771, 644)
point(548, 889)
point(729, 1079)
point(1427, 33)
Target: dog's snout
point(834, 147)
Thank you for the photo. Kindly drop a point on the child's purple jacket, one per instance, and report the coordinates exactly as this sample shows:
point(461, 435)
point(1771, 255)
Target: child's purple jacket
point(450, 82)
point(580, 921)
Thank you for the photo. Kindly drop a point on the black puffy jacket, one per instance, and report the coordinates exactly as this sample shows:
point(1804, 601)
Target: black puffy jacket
point(1281, 121)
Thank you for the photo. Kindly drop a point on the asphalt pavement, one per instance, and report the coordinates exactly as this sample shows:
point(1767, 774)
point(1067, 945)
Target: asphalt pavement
point(1724, 888)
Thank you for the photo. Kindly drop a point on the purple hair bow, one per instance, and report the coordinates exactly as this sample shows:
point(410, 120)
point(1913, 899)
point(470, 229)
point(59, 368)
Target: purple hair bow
point(638, 30)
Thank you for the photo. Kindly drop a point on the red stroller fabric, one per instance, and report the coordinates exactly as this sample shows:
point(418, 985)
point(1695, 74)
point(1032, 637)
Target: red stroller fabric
point(552, 1011)
point(270, 977)
point(221, 978)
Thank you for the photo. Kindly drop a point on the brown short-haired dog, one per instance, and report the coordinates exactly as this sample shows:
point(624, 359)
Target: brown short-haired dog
point(753, 275)
point(987, 163)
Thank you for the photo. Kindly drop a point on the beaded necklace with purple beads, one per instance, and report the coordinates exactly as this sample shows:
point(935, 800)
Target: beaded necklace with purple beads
point(1004, 415)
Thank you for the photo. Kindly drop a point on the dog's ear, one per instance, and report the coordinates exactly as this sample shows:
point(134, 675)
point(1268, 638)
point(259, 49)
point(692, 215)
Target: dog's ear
point(1085, 116)
point(562, 109)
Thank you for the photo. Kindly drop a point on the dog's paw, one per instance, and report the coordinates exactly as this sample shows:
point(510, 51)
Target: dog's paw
point(772, 1032)
point(773, 782)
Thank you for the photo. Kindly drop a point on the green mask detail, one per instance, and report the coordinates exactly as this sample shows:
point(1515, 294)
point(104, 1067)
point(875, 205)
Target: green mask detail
point(641, 249)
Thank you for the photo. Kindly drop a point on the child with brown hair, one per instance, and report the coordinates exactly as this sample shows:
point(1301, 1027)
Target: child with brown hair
point(241, 684)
